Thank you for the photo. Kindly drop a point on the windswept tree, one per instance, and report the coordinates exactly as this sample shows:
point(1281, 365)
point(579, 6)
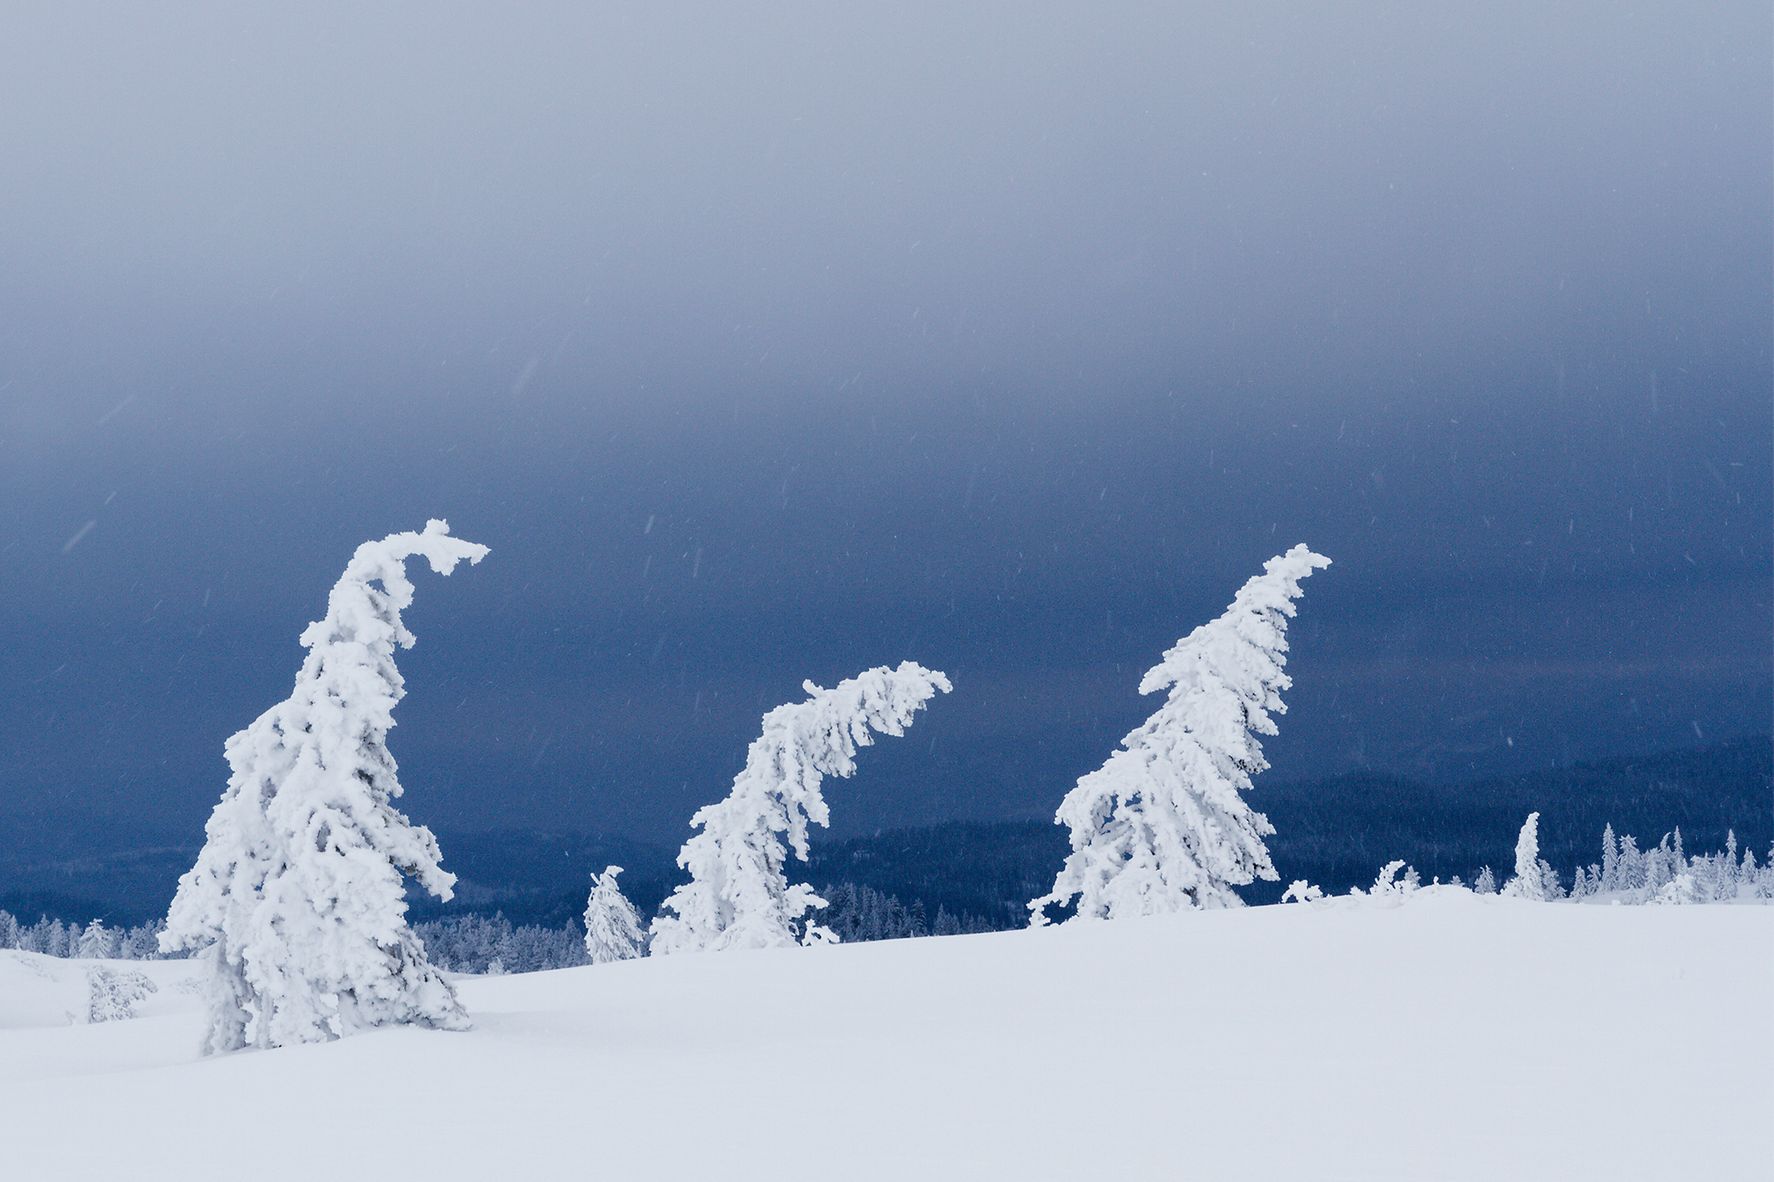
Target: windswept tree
point(1529, 881)
point(297, 900)
point(1163, 825)
point(738, 895)
point(612, 926)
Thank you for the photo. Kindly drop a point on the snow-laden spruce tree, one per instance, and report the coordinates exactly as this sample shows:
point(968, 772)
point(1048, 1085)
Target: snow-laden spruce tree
point(612, 926)
point(1163, 825)
point(297, 900)
point(1529, 882)
point(738, 896)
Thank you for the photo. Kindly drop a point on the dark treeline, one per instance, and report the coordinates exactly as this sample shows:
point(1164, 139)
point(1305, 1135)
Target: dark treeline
point(473, 943)
point(1622, 872)
point(978, 876)
point(91, 941)
point(986, 872)
point(1338, 832)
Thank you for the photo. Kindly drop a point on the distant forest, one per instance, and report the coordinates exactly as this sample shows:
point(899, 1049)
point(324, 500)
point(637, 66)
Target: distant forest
point(970, 876)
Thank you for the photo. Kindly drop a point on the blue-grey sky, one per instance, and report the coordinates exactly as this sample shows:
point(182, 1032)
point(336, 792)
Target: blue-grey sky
point(764, 342)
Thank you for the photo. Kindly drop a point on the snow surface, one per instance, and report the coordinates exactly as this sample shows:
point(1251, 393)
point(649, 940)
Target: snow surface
point(1437, 1036)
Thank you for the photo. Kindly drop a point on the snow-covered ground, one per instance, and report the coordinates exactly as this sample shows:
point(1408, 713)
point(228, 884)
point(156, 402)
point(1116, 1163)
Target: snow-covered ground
point(1449, 1036)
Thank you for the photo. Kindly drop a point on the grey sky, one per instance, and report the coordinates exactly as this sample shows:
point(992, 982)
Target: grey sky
point(1013, 334)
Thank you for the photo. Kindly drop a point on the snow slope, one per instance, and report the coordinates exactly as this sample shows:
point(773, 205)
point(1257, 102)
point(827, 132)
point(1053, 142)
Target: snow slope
point(1450, 1036)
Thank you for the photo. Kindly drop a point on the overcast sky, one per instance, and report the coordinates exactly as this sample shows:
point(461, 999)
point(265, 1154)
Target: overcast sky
point(777, 341)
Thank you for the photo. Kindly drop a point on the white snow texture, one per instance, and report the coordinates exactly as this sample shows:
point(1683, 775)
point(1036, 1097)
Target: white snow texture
point(1162, 826)
point(737, 896)
point(1443, 1036)
point(296, 901)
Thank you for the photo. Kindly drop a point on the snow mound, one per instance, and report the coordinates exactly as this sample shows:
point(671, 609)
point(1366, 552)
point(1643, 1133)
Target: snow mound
point(1443, 1036)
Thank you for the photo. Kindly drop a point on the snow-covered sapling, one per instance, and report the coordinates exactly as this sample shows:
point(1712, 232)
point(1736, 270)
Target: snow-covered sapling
point(1682, 889)
point(612, 926)
point(297, 900)
point(1301, 891)
point(738, 896)
point(1163, 825)
point(1395, 879)
point(1528, 882)
point(112, 994)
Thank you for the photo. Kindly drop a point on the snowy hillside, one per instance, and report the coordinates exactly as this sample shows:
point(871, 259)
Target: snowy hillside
point(1449, 1036)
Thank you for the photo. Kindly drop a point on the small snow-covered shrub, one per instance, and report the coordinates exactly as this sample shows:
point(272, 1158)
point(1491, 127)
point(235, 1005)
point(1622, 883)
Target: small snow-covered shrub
point(1682, 889)
point(1396, 878)
point(112, 994)
point(1301, 891)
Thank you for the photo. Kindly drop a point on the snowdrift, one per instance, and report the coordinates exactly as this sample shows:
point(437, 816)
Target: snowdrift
point(1446, 1036)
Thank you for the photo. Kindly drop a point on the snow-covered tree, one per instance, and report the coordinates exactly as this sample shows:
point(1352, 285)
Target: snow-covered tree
point(1681, 889)
point(297, 899)
point(97, 942)
point(1632, 865)
point(1485, 883)
point(112, 994)
point(1529, 881)
point(1660, 867)
point(1163, 825)
point(141, 942)
point(1550, 882)
point(612, 926)
point(1726, 870)
point(738, 896)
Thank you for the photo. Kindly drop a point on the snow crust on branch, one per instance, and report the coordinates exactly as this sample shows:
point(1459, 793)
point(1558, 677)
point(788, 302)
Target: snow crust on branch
point(1162, 826)
point(297, 899)
point(738, 895)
